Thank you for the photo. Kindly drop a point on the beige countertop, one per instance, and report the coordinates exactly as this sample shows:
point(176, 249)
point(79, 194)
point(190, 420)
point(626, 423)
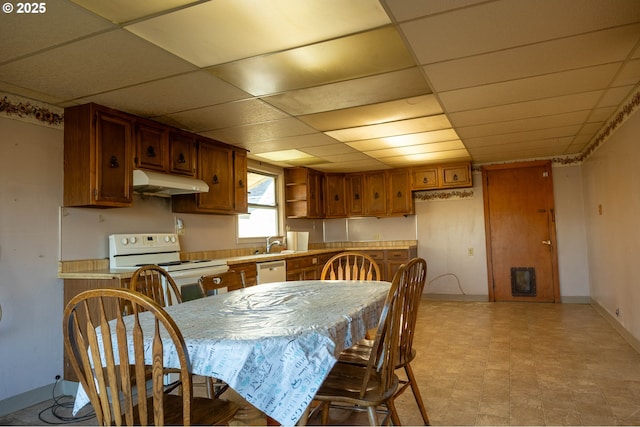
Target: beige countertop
point(99, 269)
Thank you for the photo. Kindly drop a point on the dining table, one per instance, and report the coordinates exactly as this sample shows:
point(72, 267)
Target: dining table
point(274, 343)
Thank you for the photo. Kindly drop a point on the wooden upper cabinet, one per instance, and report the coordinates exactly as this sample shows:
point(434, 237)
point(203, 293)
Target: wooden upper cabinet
point(375, 194)
point(241, 202)
point(458, 175)
point(304, 190)
point(182, 153)
point(400, 196)
point(425, 178)
point(335, 203)
point(355, 194)
point(98, 157)
point(151, 146)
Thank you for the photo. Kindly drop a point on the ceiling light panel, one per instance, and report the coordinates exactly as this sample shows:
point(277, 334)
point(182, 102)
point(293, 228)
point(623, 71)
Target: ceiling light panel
point(285, 155)
point(367, 90)
point(217, 32)
point(359, 55)
point(404, 140)
point(417, 106)
point(401, 127)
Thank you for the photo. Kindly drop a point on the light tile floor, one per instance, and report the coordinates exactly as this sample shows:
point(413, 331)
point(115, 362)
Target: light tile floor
point(485, 363)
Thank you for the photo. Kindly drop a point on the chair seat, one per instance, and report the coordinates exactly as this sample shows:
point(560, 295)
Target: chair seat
point(203, 411)
point(360, 353)
point(344, 383)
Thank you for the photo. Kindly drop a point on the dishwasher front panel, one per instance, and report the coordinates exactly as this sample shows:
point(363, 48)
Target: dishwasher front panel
point(272, 271)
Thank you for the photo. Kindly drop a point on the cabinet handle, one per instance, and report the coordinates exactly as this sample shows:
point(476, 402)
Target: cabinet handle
point(356, 196)
point(241, 183)
point(113, 162)
point(181, 158)
point(399, 193)
point(215, 179)
point(425, 180)
point(336, 198)
point(455, 176)
point(376, 195)
point(151, 152)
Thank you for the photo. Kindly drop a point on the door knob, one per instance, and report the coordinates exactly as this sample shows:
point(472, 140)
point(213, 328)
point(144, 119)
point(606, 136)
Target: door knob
point(546, 242)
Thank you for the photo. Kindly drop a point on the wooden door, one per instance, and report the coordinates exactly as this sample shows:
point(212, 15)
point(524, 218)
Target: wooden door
point(336, 206)
point(216, 170)
point(520, 228)
point(400, 196)
point(375, 200)
point(114, 159)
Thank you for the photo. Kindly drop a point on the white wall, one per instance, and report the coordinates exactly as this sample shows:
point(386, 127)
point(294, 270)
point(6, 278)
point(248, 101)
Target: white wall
point(30, 292)
point(611, 180)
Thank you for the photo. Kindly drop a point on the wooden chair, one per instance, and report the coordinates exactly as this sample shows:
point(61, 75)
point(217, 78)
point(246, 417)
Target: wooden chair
point(148, 281)
point(232, 280)
point(85, 324)
point(413, 278)
point(209, 285)
point(350, 266)
point(373, 385)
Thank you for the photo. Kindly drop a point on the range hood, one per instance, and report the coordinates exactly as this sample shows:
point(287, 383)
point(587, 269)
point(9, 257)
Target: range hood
point(162, 184)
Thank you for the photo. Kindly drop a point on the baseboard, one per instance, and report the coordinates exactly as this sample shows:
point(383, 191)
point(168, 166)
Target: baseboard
point(456, 297)
point(35, 396)
point(626, 335)
point(575, 300)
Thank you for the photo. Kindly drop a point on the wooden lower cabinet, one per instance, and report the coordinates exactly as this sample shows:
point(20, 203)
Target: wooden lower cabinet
point(307, 267)
point(390, 260)
point(250, 272)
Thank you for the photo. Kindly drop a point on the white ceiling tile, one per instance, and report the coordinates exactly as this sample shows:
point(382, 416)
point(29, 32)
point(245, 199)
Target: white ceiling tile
point(585, 50)
point(614, 96)
point(367, 90)
point(601, 114)
point(261, 131)
point(537, 108)
point(120, 11)
point(418, 159)
point(367, 164)
point(417, 149)
point(528, 89)
point(300, 142)
point(170, 95)
point(227, 115)
point(461, 33)
point(629, 75)
point(93, 65)
point(522, 137)
point(404, 10)
point(221, 31)
point(24, 33)
point(401, 127)
point(550, 121)
point(405, 140)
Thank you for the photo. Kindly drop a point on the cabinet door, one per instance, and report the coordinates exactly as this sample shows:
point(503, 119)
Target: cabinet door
point(400, 196)
point(182, 154)
point(335, 206)
point(315, 196)
point(215, 168)
point(151, 147)
point(425, 178)
point(114, 159)
point(456, 176)
point(355, 195)
point(375, 202)
point(240, 181)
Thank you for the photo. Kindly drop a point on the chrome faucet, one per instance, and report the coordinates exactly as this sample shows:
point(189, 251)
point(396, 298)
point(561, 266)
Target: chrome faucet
point(270, 243)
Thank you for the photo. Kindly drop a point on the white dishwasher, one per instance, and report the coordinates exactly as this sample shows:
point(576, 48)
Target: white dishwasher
point(272, 271)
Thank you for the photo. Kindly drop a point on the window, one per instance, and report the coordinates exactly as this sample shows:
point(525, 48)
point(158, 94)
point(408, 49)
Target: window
point(262, 220)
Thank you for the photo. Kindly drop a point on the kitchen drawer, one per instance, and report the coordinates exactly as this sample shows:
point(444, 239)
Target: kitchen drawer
point(302, 262)
point(376, 255)
point(401, 254)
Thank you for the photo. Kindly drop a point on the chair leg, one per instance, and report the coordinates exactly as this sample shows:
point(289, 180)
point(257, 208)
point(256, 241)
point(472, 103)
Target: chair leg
point(373, 416)
point(416, 393)
point(395, 419)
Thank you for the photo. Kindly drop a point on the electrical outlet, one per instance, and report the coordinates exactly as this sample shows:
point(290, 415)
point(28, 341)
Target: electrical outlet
point(470, 251)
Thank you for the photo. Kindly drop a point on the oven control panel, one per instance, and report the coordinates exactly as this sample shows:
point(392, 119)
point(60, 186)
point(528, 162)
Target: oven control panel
point(129, 244)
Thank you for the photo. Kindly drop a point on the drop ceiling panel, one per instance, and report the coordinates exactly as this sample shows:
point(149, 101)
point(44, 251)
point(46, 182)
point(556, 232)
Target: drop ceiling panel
point(537, 108)
point(404, 10)
point(518, 137)
point(300, 142)
point(120, 11)
point(510, 25)
point(426, 105)
point(416, 149)
point(529, 89)
point(221, 31)
point(321, 63)
point(585, 50)
point(231, 114)
point(165, 96)
point(614, 96)
point(420, 159)
point(260, 131)
point(93, 65)
point(551, 121)
point(401, 127)
point(329, 150)
point(23, 34)
point(367, 90)
point(629, 75)
point(404, 140)
point(368, 164)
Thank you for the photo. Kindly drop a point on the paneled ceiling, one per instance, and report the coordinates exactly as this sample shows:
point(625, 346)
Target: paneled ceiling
point(340, 85)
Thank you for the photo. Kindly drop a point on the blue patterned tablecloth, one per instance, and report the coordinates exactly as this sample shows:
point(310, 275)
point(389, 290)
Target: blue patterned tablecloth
point(275, 343)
